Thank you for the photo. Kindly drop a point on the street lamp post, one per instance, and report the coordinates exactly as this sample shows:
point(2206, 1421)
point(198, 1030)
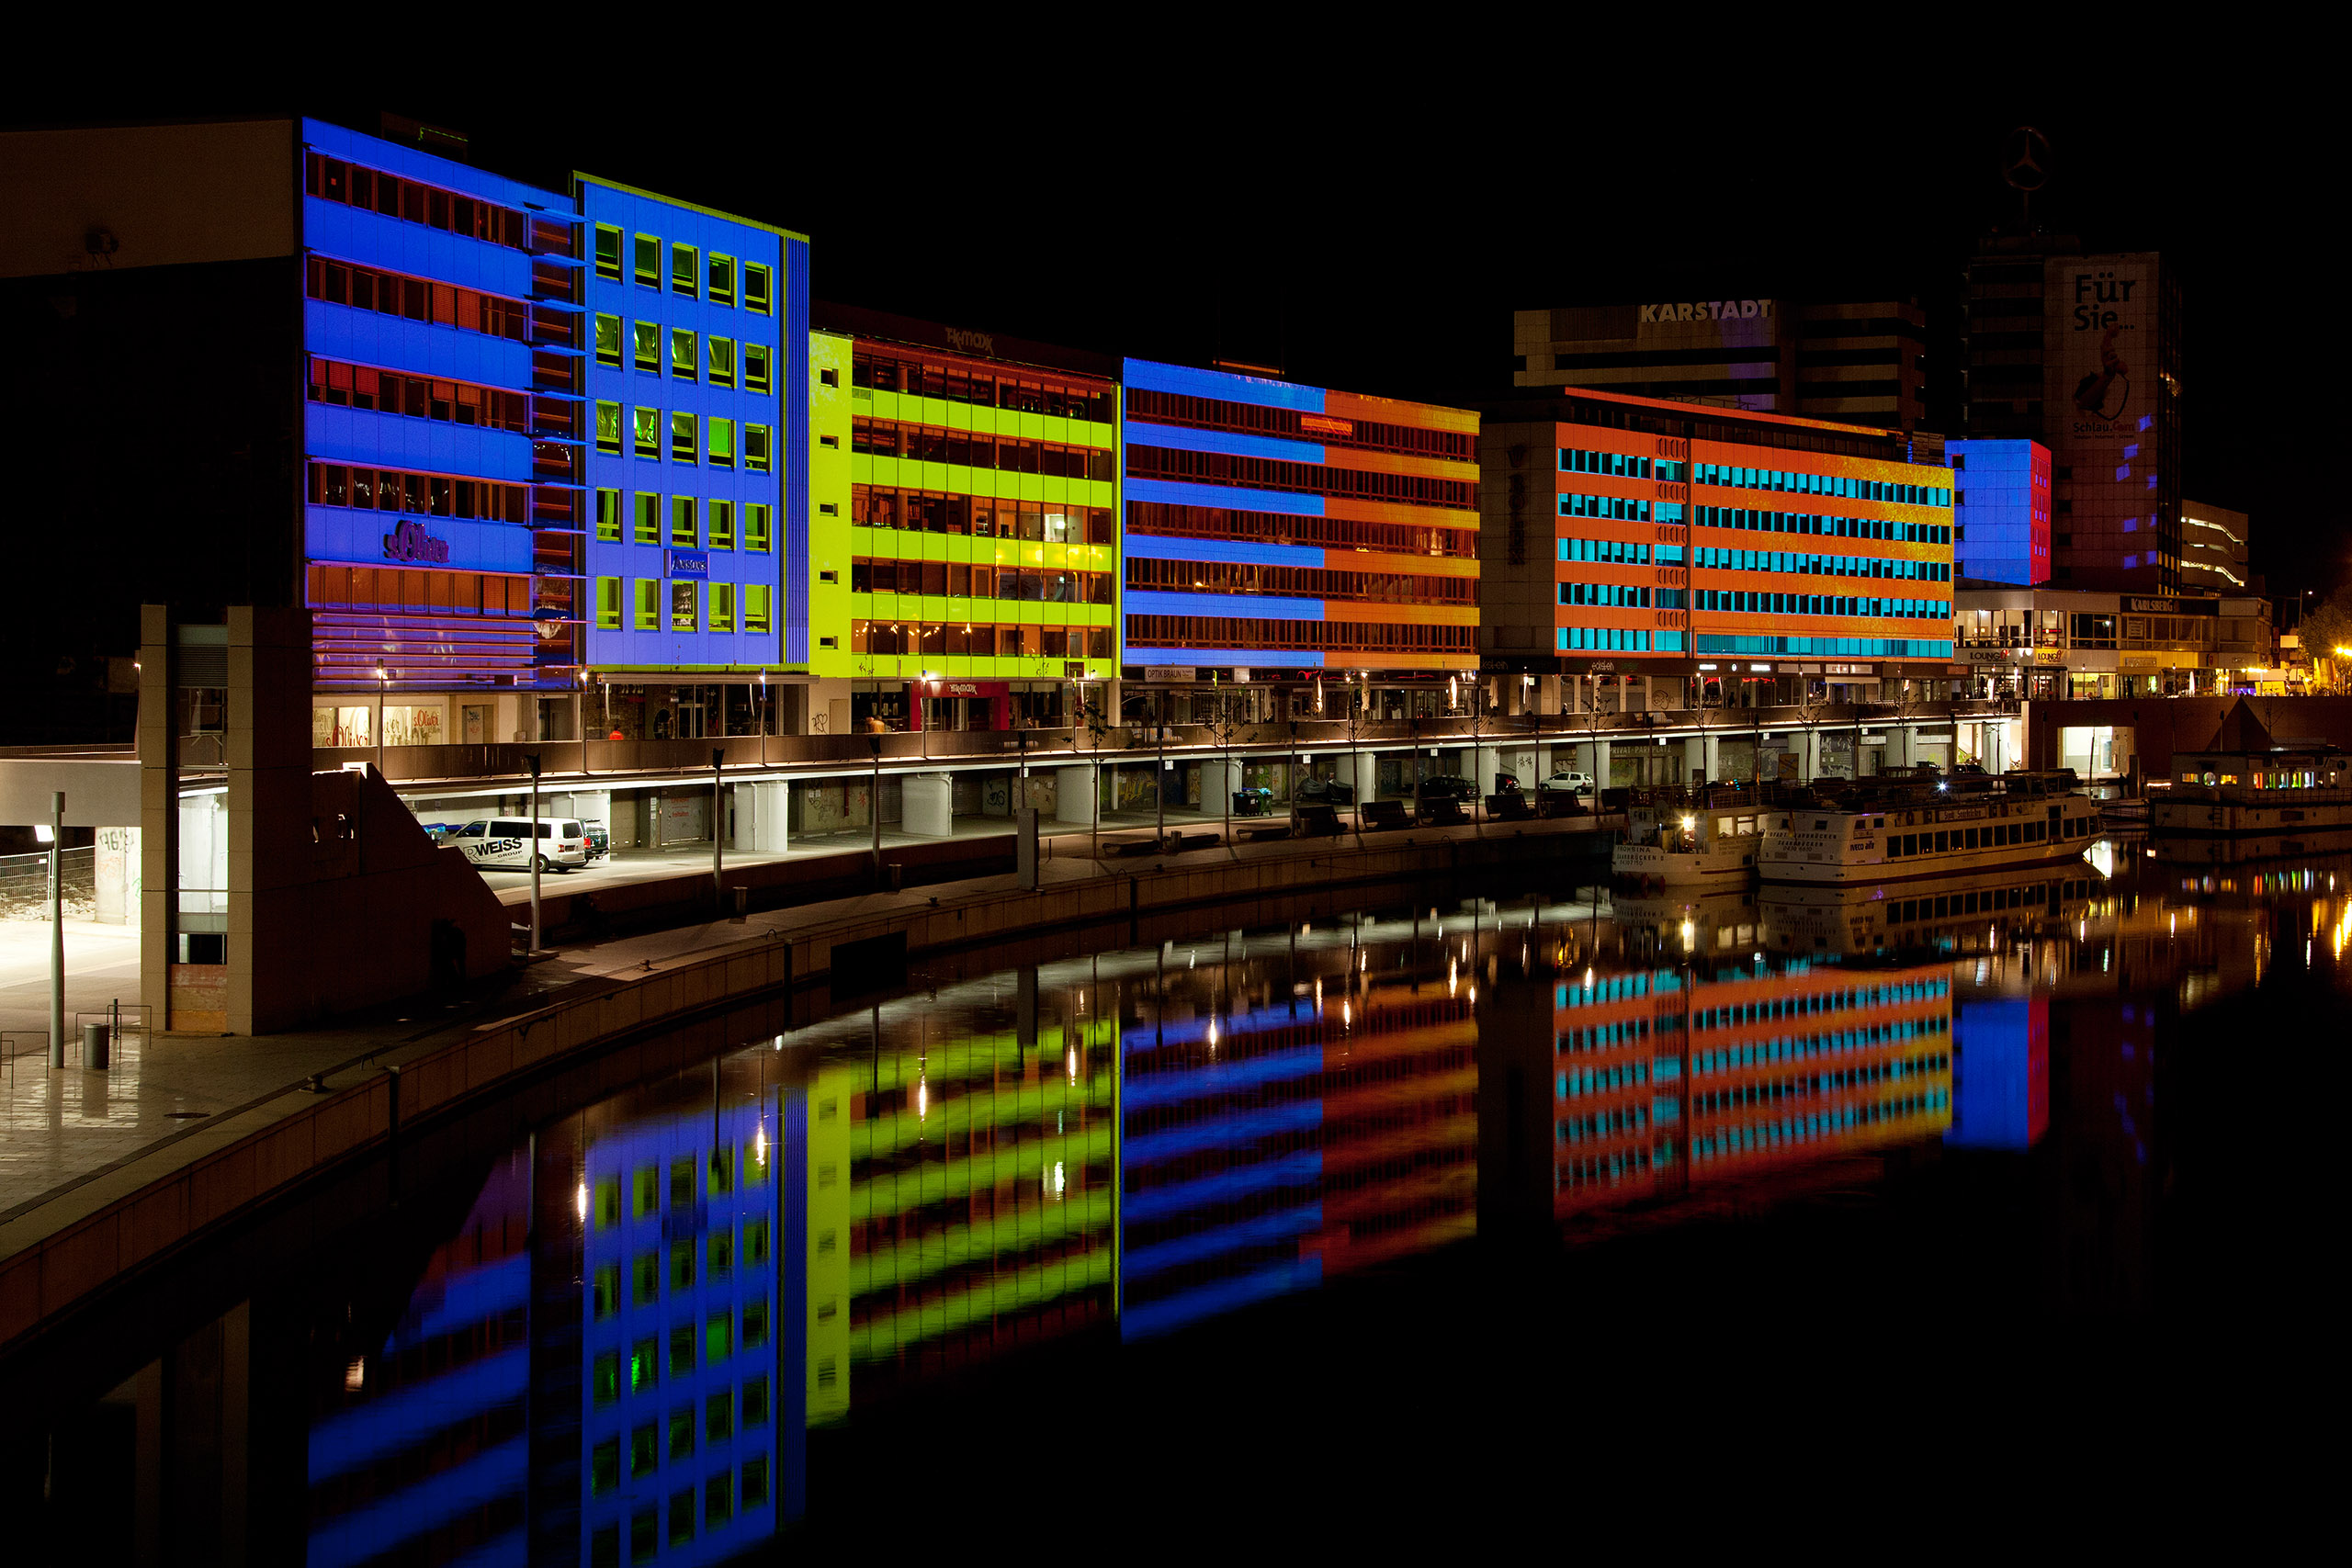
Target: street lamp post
point(717, 826)
point(57, 930)
point(873, 807)
point(383, 680)
point(538, 859)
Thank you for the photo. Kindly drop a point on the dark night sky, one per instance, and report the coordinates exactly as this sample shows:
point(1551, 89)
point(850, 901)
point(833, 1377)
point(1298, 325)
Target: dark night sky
point(1375, 220)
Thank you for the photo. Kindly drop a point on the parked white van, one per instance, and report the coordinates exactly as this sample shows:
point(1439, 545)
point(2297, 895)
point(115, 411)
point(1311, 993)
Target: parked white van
point(502, 843)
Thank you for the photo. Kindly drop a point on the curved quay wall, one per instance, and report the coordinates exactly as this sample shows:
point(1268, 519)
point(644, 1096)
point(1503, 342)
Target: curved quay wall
point(51, 1277)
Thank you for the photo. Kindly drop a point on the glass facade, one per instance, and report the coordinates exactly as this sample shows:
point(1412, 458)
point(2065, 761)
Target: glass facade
point(2001, 512)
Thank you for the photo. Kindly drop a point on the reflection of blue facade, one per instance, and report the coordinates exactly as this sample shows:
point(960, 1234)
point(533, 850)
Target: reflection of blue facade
point(2002, 510)
point(427, 1454)
point(694, 1280)
point(1999, 1068)
point(698, 358)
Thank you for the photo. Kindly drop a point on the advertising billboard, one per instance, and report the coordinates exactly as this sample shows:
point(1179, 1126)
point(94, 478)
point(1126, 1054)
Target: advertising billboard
point(2110, 408)
point(2103, 382)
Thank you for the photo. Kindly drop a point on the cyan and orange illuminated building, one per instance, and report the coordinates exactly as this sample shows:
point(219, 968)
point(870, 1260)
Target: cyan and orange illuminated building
point(1278, 534)
point(1661, 1077)
point(1626, 535)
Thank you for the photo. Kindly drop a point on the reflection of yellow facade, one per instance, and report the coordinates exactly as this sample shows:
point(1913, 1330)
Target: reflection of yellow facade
point(829, 1263)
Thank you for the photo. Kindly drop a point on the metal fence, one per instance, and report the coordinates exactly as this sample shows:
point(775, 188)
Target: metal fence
point(24, 880)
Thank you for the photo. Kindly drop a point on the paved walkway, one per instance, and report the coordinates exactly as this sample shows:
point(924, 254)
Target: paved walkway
point(74, 1139)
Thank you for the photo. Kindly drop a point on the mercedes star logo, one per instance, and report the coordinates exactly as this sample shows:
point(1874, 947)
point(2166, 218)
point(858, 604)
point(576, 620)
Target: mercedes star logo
point(2025, 158)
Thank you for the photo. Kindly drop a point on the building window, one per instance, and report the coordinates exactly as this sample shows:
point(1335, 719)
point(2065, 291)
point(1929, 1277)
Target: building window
point(722, 524)
point(648, 431)
point(683, 608)
point(649, 260)
point(608, 252)
point(682, 436)
point(722, 361)
point(755, 608)
point(755, 525)
point(722, 607)
point(755, 368)
point(755, 287)
point(720, 443)
point(755, 449)
point(608, 428)
point(683, 266)
point(647, 592)
point(681, 353)
point(722, 280)
point(682, 522)
point(608, 603)
point(649, 517)
point(645, 344)
point(608, 341)
point(608, 512)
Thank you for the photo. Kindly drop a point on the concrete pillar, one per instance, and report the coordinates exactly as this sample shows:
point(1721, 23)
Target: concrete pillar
point(1902, 746)
point(1074, 795)
point(1486, 762)
point(759, 817)
point(1809, 766)
point(926, 805)
point(1694, 760)
point(1599, 750)
point(1711, 758)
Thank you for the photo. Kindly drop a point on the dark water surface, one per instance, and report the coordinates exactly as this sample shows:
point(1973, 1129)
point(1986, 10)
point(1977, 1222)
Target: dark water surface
point(1555, 1212)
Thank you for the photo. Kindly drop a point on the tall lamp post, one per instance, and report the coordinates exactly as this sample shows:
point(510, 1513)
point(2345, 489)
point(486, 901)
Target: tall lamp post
point(538, 859)
point(383, 681)
point(718, 824)
point(57, 930)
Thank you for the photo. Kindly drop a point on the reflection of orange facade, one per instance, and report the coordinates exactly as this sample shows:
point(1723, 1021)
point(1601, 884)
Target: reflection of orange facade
point(1742, 1074)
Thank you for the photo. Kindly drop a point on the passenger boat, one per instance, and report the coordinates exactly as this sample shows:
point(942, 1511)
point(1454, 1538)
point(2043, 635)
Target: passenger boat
point(1690, 838)
point(2242, 783)
point(1894, 828)
point(1978, 911)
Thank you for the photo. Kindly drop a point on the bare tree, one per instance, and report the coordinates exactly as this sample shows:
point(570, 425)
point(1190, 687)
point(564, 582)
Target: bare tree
point(1358, 695)
point(1812, 705)
point(1091, 717)
point(1221, 728)
point(1475, 723)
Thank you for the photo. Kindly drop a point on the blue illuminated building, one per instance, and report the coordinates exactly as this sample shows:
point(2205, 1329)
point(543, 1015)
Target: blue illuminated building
point(697, 550)
point(2002, 510)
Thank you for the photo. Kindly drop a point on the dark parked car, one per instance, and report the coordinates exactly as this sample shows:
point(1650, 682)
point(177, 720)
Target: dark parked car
point(1331, 792)
point(600, 840)
point(1448, 787)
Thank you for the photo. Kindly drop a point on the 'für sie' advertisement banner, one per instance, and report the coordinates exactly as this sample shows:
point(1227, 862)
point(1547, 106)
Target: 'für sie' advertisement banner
point(2101, 316)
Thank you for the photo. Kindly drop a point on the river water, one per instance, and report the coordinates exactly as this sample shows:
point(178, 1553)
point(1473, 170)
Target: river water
point(1531, 1188)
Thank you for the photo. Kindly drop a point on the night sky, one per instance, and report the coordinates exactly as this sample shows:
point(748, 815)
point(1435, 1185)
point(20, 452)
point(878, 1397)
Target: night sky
point(1372, 223)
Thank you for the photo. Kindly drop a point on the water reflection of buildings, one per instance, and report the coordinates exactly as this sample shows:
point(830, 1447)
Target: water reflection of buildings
point(1666, 1074)
point(419, 1451)
point(1269, 1147)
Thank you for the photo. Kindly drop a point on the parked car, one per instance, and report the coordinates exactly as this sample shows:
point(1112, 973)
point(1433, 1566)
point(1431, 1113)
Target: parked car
point(1331, 792)
point(1448, 787)
point(1569, 782)
point(503, 843)
point(600, 840)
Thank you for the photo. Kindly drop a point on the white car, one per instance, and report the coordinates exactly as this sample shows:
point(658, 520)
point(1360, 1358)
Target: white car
point(502, 843)
point(1568, 783)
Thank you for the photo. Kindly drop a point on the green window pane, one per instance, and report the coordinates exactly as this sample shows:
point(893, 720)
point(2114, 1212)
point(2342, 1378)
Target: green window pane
point(755, 1481)
point(681, 1265)
point(644, 1535)
point(720, 358)
point(648, 428)
point(649, 532)
point(723, 1171)
point(755, 288)
point(682, 1512)
point(681, 1349)
point(608, 252)
point(607, 1208)
point(721, 434)
point(645, 344)
point(644, 1365)
point(717, 1340)
point(605, 1291)
point(644, 1451)
point(719, 1245)
point(604, 1467)
point(682, 438)
point(649, 260)
point(755, 1324)
point(605, 1378)
point(681, 1432)
point(608, 502)
point(755, 368)
point(645, 1279)
point(718, 1498)
point(755, 1243)
point(756, 1404)
point(681, 353)
point(609, 427)
point(719, 1417)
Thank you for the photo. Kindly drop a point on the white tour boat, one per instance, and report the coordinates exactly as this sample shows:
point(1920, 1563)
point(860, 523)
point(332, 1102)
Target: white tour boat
point(1896, 828)
point(2244, 784)
point(1690, 838)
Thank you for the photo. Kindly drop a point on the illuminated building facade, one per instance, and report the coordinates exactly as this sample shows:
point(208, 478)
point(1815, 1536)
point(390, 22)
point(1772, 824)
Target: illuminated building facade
point(1856, 362)
point(2047, 643)
point(1626, 535)
point(2001, 511)
point(696, 378)
point(966, 526)
point(2213, 550)
point(1280, 536)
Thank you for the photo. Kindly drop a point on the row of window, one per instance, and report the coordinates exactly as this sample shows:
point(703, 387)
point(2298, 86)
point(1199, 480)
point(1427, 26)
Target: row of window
point(1222, 631)
point(723, 1412)
point(1215, 413)
point(1619, 507)
point(1730, 477)
point(1620, 552)
point(1724, 559)
point(1993, 836)
point(645, 1531)
point(693, 606)
point(1864, 1077)
point(1620, 596)
point(331, 179)
point(1280, 528)
point(693, 438)
point(711, 278)
point(1620, 465)
point(433, 495)
point(955, 580)
point(1744, 520)
point(980, 516)
point(706, 525)
point(418, 397)
point(416, 299)
point(975, 640)
point(960, 383)
point(693, 356)
point(1741, 601)
point(1618, 640)
point(884, 438)
point(1310, 478)
point(1806, 1004)
point(1826, 647)
point(411, 592)
point(1301, 581)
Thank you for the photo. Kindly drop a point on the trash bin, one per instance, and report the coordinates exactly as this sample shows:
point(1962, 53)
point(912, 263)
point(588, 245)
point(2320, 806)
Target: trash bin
point(742, 899)
point(97, 1044)
point(897, 877)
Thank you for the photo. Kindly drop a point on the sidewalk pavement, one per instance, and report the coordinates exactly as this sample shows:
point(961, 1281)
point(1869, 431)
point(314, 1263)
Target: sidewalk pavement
point(74, 1139)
